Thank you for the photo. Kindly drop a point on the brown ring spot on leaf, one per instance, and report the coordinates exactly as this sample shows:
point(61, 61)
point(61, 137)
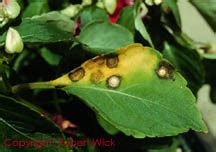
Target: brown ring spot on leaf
point(89, 65)
point(99, 60)
point(96, 77)
point(113, 81)
point(165, 70)
point(112, 61)
point(77, 74)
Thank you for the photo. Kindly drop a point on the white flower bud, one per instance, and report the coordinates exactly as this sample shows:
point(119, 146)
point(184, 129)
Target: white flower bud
point(153, 2)
point(158, 2)
point(110, 5)
point(86, 2)
point(149, 2)
point(3, 16)
point(12, 8)
point(100, 4)
point(14, 43)
point(144, 10)
point(71, 10)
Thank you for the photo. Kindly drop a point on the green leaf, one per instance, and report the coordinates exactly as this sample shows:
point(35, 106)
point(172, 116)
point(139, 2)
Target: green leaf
point(50, 57)
point(209, 56)
point(36, 7)
point(132, 96)
point(104, 37)
point(25, 115)
point(13, 140)
point(140, 26)
point(127, 18)
point(207, 9)
point(188, 62)
point(92, 14)
point(130, 18)
point(172, 5)
point(47, 28)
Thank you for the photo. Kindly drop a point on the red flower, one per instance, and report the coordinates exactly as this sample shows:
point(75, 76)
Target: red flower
point(76, 29)
point(120, 5)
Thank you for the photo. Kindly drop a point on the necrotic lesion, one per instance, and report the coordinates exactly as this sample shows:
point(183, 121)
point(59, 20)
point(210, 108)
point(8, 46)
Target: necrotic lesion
point(165, 70)
point(112, 61)
point(77, 74)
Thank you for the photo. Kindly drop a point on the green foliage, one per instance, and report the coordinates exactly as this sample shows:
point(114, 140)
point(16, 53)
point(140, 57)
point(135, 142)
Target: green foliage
point(126, 18)
point(25, 116)
point(188, 62)
point(104, 37)
point(47, 28)
point(50, 57)
point(16, 141)
point(92, 14)
point(144, 106)
point(36, 7)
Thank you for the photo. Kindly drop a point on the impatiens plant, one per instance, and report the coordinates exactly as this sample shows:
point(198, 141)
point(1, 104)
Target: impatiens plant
point(116, 75)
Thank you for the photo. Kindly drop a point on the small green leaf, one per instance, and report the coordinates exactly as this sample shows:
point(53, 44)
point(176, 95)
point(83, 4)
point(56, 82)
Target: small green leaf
point(92, 14)
point(139, 25)
point(207, 9)
point(36, 7)
point(104, 37)
point(127, 18)
point(209, 56)
point(47, 28)
point(50, 57)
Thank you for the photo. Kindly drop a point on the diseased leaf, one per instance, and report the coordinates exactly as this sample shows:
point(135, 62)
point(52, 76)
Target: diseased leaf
point(104, 37)
point(207, 9)
point(47, 28)
point(136, 91)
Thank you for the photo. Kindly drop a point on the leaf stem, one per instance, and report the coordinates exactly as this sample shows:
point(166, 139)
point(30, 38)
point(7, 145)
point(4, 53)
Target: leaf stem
point(33, 85)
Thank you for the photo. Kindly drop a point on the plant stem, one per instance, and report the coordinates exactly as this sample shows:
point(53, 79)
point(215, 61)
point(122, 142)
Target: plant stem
point(34, 85)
